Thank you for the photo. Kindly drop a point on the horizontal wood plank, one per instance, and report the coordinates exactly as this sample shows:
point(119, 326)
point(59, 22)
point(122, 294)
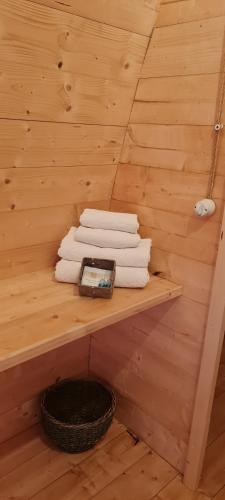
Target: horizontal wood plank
point(35, 474)
point(189, 10)
point(26, 188)
point(52, 95)
point(163, 189)
point(173, 147)
point(145, 478)
point(61, 144)
point(176, 100)
point(137, 16)
point(50, 39)
point(185, 49)
point(176, 489)
point(66, 317)
point(36, 226)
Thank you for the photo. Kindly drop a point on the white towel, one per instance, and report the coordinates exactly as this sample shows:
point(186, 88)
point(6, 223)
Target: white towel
point(106, 238)
point(68, 271)
point(131, 257)
point(101, 219)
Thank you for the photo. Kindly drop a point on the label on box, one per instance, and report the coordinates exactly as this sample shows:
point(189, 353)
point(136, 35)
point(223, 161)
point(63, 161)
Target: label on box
point(93, 276)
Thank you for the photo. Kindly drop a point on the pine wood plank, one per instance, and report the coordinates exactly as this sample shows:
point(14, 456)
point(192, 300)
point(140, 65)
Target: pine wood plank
point(72, 318)
point(24, 383)
point(189, 10)
point(58, 96)
point(176, 100)
point(44, 467)
point(35, 226)
point(28, 188)
point(190, 246)
point(177, 490)
point(161, 189)
point(156, 435)
point(172, 147)
point(142, 480)
point(45, 37)
point(137, 16)
point(96, 472)
point(134, 356)
point(185, 49)
point(21, 448)
point(27, 259)
point(61, 144)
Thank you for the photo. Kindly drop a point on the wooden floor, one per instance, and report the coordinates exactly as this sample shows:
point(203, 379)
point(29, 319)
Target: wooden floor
point(119, 468)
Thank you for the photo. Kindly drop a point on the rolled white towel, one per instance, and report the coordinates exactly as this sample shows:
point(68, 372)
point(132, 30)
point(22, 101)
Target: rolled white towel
point(67, 271)
point(106, 238)
point(131, 257)
point(101, 219)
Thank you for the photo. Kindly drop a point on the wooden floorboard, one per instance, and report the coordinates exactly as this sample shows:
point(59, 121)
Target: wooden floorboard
point(120, 467)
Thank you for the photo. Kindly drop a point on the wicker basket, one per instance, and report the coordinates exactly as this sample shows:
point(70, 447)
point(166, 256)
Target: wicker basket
point(77, 413)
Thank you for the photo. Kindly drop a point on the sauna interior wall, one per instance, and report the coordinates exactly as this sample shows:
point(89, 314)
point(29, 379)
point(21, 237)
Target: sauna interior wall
point(67, 82)
point(68, 78)
point(153, 359)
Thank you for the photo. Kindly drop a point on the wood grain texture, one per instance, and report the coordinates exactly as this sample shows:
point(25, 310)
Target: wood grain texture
point(36, 226)
point(172, 147)
point(185, 49)
point(164, 169)
point(43, 468)
point(61, 144)
point(172, 100)
point(27, 188)
point(61, 96)
point(119, 467)
point(45, 37)
point(67, 85)
point(134, 356)
point(60, 315)
point(20, 387)
point(136, 16)
point(164, 189)
point(188, 10)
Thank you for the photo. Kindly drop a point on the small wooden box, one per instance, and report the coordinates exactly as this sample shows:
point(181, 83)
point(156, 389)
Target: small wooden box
point(97, 291)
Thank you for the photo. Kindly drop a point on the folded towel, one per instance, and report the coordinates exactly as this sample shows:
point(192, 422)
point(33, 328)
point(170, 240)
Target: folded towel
point(106, 238)
point(131, 257)
point(68, 271)
point(101, 219)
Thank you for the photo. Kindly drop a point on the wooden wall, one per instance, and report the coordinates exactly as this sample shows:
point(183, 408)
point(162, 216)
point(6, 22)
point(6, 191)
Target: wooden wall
point(67, 82)
point(153, 359)
point(20, 387)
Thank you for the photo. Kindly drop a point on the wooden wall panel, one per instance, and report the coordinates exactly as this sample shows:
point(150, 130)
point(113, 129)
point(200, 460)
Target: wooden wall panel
point(38, 144)
point(48, 39)
point(183, 11)
point(67, 85)
point(137, 16)
point(153, 359)
point(62, 96)
point(160, 99)
point(20, 386)
point(174, 147)
point(186, 49)
point(26, 188)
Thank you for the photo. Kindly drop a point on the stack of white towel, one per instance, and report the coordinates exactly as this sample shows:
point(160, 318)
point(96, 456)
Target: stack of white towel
point(106, 235)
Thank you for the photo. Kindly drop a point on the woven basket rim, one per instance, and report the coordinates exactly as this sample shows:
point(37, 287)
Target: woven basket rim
point(85, 425)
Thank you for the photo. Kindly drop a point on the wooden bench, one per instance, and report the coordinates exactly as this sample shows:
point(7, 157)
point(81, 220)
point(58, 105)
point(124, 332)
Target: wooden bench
point(39, 314)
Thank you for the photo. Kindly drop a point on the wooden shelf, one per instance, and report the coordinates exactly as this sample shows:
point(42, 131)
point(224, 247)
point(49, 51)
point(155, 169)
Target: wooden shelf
point(38, 314)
